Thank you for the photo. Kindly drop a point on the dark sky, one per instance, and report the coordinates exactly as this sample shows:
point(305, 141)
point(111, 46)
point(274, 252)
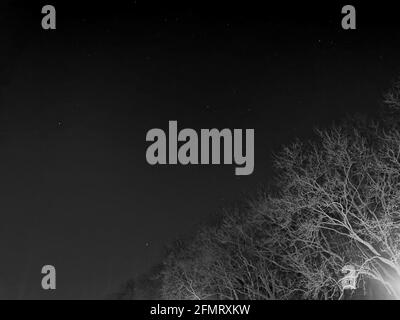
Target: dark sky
point(76, 104)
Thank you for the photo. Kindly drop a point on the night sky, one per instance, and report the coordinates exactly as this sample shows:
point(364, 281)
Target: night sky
point(76, 104)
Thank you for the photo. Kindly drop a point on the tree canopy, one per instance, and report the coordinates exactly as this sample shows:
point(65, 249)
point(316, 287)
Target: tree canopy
point(333, 211)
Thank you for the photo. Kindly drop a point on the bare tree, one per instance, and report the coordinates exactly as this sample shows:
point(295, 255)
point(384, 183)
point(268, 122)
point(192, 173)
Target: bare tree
point(341, 197)
point(335, 207)
point(225, 262)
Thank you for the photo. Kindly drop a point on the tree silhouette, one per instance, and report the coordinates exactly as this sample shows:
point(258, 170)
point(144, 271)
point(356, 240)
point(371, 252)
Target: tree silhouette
point(143, 287)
